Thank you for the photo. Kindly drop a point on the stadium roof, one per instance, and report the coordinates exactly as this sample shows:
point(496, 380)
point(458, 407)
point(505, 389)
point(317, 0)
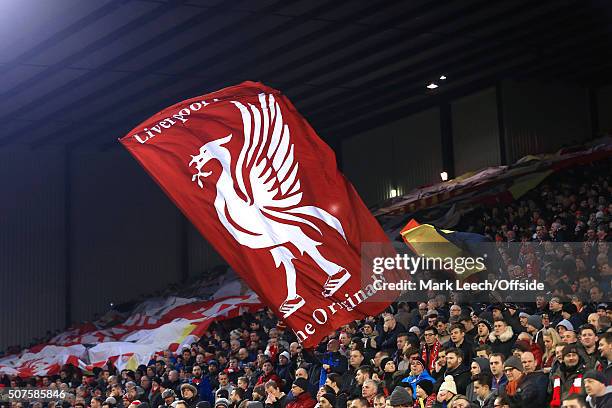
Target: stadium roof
point(83, 73)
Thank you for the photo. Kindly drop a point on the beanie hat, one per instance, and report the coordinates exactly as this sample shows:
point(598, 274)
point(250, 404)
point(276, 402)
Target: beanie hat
point(384, 362)
point(421, 361)
point(223, 402)
point(111, 401)
point(523, 314)
point(486, 323)
point(566, 323)
point(302, 383)
point(330, 397)
point(570, 308)
point(168, 393)
point(286, 355)
point(449, 385)
point(400, 396)
point(596, 375)
point(514, 362)
point(426, 385)
point(535, 321)
point(570, 348)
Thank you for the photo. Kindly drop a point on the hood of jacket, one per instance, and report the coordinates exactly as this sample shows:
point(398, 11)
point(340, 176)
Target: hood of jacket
point(504, 337)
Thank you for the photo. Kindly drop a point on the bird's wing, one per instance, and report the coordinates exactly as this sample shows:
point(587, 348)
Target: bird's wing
point(266, 170)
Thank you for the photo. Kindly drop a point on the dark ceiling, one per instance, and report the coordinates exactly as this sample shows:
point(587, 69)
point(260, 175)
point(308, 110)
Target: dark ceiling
point(83, 73)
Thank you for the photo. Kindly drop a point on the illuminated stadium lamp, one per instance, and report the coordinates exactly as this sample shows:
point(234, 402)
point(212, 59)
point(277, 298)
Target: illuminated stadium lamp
point(442, 77)
point(393, 193)
point(432, 86)
point(444, 176)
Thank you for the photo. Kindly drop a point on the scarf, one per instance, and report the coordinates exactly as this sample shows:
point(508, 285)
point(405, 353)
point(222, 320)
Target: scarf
point(433, 355)
point(512, 386)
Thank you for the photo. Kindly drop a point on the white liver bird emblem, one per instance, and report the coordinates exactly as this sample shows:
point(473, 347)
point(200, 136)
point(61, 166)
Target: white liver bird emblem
point(266, 211)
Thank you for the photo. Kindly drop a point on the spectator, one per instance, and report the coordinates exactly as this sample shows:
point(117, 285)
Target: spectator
point(567, 379)
point(302, 398)
point(598, 394)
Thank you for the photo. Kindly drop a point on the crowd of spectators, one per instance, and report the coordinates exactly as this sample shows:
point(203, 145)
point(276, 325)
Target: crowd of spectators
point(554, 352)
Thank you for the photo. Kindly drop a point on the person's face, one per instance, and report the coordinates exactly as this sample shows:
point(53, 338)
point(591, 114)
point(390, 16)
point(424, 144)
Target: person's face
point(401, 342)
point(431, 321)
point(528, 362)
point(548, 342)
point(605, 349)
point(571, 359)
point(457, 336)
point(460, 404)
point(301, 373)
point(296, 390)
point(455, 311)
point(497, 314)
point(430, 337)
point(452, 361)
point(389, 366)
point(223, 380)
point(267, 367)
point(187, 394)
point(379, 402)
point(442, 395)
point(441, 326)
point(481, 391)
point(368, 390)
point(512, 373)
point(356, 358)
point(344, 339)
point(499, 327)
point(442, 358)
point(323, 403)
point(496, 365)
point(588, 338)
point(416, 367)
point(554, 304)
point(474, 369)
point(483, 330)
point(196, 371)
point(593, 387)
point(594, 320)
point(569, 337)
point(367, 330)
point(498, 404)
point(360, 377)
point(596, 294)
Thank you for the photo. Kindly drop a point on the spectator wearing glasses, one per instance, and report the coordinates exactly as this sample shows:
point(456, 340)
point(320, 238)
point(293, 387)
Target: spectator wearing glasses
point(430, 347)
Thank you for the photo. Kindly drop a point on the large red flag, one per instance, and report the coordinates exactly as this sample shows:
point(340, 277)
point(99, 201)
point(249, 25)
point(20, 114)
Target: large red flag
point(259, 184)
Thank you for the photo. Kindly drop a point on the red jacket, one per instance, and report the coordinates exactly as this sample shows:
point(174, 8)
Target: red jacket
point(304, 400)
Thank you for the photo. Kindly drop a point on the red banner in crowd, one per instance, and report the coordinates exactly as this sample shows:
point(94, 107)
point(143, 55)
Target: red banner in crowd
point(260, 185)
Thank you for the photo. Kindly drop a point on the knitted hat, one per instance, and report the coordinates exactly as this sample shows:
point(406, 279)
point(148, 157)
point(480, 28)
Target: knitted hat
point(400, 397)
point(523, 314)
point(223, 402)
point(566, 323)
point(426, 385)
point(483, 363)
point(168, 393)
point(330, 397)
point(535, 321)
point(570, 348)
point(514, 362)
point(111, 401)
point(449, 385)
point(486, 323)
point(286, 355)
point(384, 362)
point(596, 375)
point(302, 383)
point(421, 361)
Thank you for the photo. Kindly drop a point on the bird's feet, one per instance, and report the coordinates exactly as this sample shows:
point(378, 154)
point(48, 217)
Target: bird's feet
point(290, 305)
point(335, 282)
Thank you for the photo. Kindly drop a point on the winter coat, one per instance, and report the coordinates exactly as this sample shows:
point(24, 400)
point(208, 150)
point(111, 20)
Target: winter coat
point(566, 375)
point(504, 343)
point(304, 400)
point(531, 392)
point(414, 379)
point(279, 403)
point(604, 401)
point(388, 340)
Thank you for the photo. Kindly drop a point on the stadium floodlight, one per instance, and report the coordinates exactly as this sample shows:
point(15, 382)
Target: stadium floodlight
point(393, 193)
point(444, 176)
point(432, 86)
point(442, 77)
